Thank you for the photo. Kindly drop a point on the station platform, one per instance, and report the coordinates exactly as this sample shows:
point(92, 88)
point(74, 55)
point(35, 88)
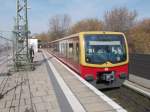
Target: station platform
point(51, 87)
point(139, 84)
point(140, 80)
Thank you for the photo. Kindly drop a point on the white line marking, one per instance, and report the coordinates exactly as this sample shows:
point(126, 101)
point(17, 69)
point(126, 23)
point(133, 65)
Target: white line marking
point(112, 103)
point(73, 101)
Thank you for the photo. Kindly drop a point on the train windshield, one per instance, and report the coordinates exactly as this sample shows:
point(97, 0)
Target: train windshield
point(100, 49)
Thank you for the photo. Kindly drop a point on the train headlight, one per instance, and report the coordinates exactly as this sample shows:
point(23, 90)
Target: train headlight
point(89, 77)
point(123, 76)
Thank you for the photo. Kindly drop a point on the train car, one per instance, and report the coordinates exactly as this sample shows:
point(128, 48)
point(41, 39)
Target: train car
point(101, 58)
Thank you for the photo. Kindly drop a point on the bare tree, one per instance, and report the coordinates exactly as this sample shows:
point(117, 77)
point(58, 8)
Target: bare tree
point(43, 37)
point(65, 24)
point(140, 35)
point(87, 25)
point(59, 26)
point(119, 19)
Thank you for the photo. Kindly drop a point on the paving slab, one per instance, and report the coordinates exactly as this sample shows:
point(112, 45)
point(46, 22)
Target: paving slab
point(35, 93)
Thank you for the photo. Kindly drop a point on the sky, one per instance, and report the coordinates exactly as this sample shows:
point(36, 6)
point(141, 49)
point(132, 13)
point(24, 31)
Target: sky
point(42, 10)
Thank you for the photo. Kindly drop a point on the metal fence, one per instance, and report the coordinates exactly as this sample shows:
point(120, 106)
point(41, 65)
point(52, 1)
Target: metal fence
point(6, 46)
point(6, 53)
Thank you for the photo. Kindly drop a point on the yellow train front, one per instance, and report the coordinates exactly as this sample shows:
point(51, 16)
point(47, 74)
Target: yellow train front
point(99, 57)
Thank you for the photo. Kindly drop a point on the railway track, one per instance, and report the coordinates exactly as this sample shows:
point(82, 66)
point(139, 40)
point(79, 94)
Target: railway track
point(129, 99)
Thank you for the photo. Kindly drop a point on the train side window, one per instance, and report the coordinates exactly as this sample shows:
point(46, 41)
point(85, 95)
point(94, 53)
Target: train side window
point(57, 47)
point(77, 49)
point(70, 50)
point(64, 49)
point(60, 47)
point(76, 57)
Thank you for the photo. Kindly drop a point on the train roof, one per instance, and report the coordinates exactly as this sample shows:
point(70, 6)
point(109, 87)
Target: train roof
point(87, 32)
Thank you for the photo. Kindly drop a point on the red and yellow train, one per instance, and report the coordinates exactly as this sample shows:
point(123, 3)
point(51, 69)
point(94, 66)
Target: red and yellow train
point(99, 57)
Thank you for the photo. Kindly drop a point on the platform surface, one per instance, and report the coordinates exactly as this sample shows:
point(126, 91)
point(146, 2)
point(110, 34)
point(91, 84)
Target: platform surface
point(138, 84)
point(35, 93)
point(51, 87)
point(140, 80)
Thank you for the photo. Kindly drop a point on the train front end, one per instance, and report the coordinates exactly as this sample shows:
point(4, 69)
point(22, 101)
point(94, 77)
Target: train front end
point(104, 58)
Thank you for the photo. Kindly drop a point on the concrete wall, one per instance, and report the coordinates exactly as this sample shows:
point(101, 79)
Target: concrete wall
point(140, 65)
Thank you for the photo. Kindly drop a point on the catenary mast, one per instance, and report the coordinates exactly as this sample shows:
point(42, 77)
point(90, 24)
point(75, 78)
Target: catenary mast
point(21, 32)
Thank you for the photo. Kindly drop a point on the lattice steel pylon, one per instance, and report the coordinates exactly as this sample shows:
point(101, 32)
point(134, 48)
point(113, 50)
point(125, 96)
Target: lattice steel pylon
point(21, 33)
